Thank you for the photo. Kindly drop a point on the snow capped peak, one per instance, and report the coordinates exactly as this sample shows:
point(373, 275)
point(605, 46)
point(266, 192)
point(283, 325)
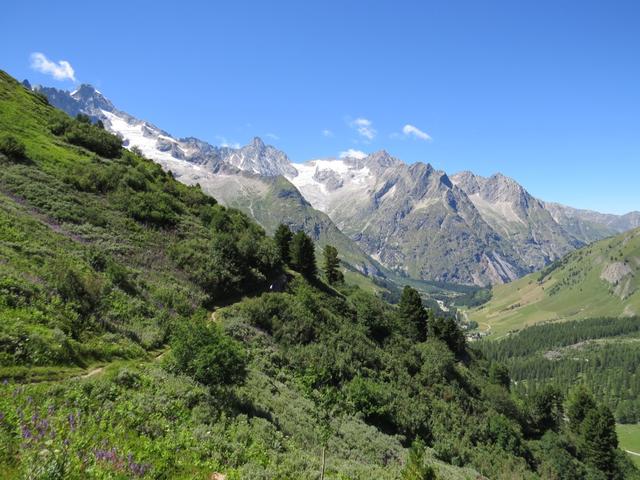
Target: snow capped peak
point(256, 157)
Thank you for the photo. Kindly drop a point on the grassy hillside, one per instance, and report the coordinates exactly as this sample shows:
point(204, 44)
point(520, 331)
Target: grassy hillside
point(99, 255)
point(629, 437)
point(599, 280)
point(139, 338)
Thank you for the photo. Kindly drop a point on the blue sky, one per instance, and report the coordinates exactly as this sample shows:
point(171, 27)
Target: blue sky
point(547, 92)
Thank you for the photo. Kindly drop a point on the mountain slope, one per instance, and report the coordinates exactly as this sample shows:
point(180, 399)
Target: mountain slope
point(588, 226)
point(518, 217)
point(274, 200)
point(247, 178)
point(410, 217)
point(599, 280)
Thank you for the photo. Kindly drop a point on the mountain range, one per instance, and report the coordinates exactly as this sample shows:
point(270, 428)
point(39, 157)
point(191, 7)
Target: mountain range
point(385, 216)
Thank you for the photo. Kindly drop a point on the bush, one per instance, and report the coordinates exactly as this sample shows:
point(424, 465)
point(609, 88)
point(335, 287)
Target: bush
point(13, 148)
point(82, 133)
point(153, 208)
point(94, 139)
point(203, 352)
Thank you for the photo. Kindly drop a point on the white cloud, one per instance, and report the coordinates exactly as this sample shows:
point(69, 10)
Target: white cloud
point(413, 131)
point(60, 71)
point(272, 136)
point(351, 153)
point(364, 127)
point(224, 143)
point(327, 133)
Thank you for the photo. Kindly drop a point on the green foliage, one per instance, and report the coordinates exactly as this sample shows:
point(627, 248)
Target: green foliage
point(416, 467)
point(203, 352)
point(82, 118)
point(499, 374)
point(82, 133)
point(474, 298)
point(303, 256)
point(546, 410)
point(331, 265)
point(230, 262)
point(283, 237)
point(13, 148)
point(447, 330)
point(579, 403)
point(412, 314)
point(599, 352)
point(598, 432)
point(90, 274)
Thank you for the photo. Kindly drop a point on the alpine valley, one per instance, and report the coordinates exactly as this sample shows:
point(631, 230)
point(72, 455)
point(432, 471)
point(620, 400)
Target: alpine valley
point(150, 329)
point(389, 219)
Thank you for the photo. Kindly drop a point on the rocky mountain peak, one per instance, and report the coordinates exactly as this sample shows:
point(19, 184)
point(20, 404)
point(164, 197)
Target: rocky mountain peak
point(256, 157)
point(257, 143)
point(91, 99)
point(378, 161)
point(467, 181)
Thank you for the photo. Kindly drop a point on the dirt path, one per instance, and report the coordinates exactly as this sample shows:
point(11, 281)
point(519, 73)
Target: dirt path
point(92, 372)
point(98, 370)
point(633, 453)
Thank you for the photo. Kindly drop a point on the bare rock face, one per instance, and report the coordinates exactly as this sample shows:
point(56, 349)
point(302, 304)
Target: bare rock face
point(519, 217)
point(411, 218)
point(614, 272)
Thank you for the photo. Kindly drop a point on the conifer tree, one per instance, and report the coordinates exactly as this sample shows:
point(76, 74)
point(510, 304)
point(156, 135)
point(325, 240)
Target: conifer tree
point(579, 403)
point(332, 265)
point(447, 330)
point(303, 256)
point(412, 314)
point(283, 237)
point(600, 440)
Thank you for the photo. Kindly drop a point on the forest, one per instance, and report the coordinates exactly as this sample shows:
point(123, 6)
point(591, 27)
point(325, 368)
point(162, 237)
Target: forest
point(601, 353)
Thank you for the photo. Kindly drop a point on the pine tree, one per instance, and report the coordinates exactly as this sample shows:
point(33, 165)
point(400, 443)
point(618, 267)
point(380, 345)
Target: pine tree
point(303, 256)
point(600, 440)
point(499, 374)
point(579, 403)
point(283, 238)
point(412, 314)
point(447, 330)
point(332, 265)
point(546, 409)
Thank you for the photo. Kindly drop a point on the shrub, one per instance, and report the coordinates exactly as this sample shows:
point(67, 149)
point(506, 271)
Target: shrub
point(203, 352)
point(82, 133)
point(13, 148)
point(153, 208)
point(94, 139)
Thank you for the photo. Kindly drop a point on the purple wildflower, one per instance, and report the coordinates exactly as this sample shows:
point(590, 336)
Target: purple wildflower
point(72, 422)
point(26, 433)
